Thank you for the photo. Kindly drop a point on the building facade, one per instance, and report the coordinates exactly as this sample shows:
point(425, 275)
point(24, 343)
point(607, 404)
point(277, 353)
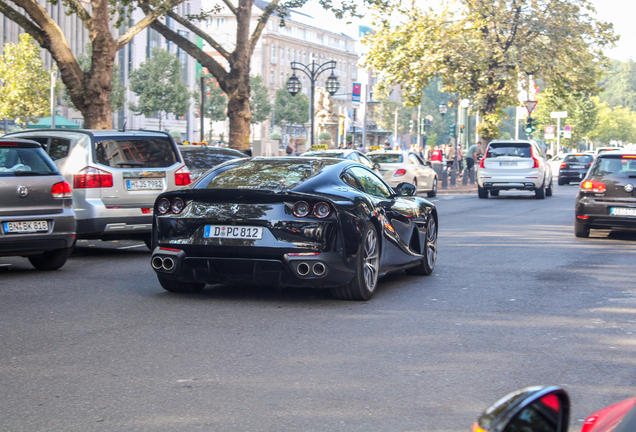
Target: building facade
point(301, 40)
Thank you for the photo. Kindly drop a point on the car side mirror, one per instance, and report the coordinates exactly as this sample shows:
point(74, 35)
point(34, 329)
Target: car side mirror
point(428, 164)
point(549, 156)
point(405, 189)
point(539, 408)
point(376, 166)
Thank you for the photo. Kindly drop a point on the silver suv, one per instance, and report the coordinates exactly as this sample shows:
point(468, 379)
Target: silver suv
point(115, 175)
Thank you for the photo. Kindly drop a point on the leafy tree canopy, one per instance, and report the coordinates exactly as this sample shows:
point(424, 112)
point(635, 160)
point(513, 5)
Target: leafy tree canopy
point(259, 100)
point(159, 86)
point(290, 110)
point(25, 90)
point(481, 48)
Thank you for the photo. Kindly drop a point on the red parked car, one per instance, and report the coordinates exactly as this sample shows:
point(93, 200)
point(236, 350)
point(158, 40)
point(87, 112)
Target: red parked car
point(547, 409)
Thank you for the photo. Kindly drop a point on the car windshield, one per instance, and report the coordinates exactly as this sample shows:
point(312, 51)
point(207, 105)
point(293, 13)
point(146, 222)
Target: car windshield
point(618, 166)
point(386, 158)
point(136, 152)
point(16, 161)
point(205, 159)
point(265, 174)
point(508, 149)
point(582, 158)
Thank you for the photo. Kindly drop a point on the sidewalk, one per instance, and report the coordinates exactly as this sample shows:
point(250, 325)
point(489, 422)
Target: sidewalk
point(459, 189)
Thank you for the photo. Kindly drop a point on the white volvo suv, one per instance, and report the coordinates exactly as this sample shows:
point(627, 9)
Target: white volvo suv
point(514, 164)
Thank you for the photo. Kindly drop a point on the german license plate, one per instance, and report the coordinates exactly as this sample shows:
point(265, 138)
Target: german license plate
point(507, 163)
point(577, 166)
point(144, 184)
point(229, 231)
point(25, 227)
point(622, 211)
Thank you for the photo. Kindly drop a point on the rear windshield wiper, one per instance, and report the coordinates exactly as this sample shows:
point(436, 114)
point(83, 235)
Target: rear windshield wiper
point(32, 173)
point(136, 164)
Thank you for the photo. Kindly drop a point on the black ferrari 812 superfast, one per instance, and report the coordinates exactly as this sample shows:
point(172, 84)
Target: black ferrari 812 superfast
point(292, 222)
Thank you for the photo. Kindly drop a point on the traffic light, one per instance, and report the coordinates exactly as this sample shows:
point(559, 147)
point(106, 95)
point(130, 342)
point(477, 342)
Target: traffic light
point(529, 126)
point(461, 129)
point(452, 130)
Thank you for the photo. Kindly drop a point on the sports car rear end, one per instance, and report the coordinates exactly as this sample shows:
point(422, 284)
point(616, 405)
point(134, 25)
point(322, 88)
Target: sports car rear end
point(246, 226)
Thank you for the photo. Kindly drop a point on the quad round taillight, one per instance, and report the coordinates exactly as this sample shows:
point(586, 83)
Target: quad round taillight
point(322, 210)
point(163, 206)
point(177, 205)
point(301, 209)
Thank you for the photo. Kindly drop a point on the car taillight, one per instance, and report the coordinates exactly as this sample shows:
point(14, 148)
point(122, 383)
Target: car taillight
point(182, 176)
point(536, 161)
point(301, 209)
point(163, 206)
point(90, 177)
point(322, 210)
point(481, 162)
point(563, 165)
point(399, 172)
point(61, 190)
point(176, 206)
point(592, 186)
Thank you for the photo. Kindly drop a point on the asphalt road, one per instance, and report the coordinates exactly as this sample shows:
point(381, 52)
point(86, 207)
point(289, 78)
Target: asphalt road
point(515, 300)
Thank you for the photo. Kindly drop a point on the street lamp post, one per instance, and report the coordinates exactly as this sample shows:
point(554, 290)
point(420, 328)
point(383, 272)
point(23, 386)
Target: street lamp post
point(313, 70)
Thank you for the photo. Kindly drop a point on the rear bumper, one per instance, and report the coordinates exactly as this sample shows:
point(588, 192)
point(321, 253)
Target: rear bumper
point(574, 176)
point(61, 235)
point(597, 215)
point(487, 180)
point(115, 228)
point(325, 270)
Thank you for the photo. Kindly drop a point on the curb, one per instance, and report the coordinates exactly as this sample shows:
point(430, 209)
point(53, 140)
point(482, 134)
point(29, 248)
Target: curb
point(455, 191)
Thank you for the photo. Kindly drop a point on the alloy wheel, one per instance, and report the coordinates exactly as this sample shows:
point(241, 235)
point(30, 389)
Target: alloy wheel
point(370, 260)
point(431, 243)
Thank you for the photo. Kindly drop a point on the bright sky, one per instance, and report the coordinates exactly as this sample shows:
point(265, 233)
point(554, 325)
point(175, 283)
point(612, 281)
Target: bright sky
point(621, 13)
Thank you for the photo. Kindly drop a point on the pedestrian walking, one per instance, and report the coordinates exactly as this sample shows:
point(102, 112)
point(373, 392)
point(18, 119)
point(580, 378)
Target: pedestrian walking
point(450, 155)
point(471, 157)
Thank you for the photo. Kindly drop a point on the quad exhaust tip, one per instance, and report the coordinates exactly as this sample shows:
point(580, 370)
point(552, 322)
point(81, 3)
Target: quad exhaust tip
point(303, 269)
point(319, 269)
point(159, 263)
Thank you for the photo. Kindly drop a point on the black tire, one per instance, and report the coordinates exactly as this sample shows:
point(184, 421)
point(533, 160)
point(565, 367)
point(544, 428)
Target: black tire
point(433, 192)
point(567, 182)
point(483, 193)
point(540, 193)
point(427, 265)
point(548, 191)
point(561, 181)
point(51, 260)
point(365, 282)
point(148, 243)
point(581, 229)
point(494, 193)
point(179, 287)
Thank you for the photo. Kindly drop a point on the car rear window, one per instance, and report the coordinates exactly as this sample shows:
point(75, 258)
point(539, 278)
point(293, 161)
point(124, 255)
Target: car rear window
point(206, 159)
point(509, 149)
point(264, 174)
point(136, 152)
point(618, 166)
point(386, 158)
point(578, 158)
point(25, 162)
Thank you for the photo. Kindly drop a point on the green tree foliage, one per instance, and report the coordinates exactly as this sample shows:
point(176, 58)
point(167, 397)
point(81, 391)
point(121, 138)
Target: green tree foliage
point(118, 90)
point(617, 123)
point(259, 100)
point(290, 110)
point(480, 48)
point(620, 85)
point(159, 87)
point(89, 90)
point(25, 91)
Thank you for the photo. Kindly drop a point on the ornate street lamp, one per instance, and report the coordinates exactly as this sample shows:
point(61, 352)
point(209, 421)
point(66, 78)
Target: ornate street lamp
point(443, 108)
point(293, 85)
point(332, 84)
point(313, 70)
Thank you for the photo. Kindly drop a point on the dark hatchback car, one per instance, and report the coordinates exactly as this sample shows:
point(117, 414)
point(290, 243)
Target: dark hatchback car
point(574, 167)
point(200, 159)
point(607, 199)
point(36, 216)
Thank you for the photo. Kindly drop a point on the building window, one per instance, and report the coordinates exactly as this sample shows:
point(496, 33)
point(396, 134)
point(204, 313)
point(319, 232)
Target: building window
point(271, 76)
point(153, 41)
point(282, 79)
point(282, 55)
point(183, 57)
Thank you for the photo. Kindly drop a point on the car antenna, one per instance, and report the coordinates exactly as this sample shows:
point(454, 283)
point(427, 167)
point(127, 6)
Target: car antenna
point(123, 128)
